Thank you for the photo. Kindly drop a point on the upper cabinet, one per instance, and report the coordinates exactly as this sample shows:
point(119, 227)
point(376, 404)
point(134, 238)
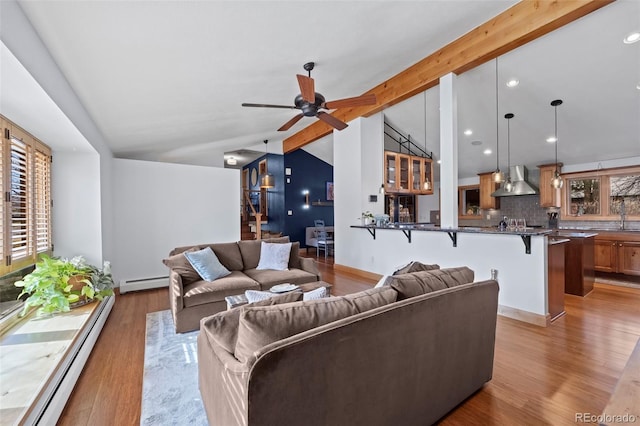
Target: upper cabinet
point(404, 173)
point(549, 196)
point(487, 187)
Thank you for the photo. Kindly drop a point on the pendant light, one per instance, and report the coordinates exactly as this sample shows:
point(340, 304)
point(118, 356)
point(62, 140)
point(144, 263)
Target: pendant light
point(556, 181)
point(498, 176)
point(267, 180)
point(508, 185)
point(426, 186)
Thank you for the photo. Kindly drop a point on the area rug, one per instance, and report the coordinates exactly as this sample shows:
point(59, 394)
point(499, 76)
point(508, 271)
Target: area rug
point(170, 394)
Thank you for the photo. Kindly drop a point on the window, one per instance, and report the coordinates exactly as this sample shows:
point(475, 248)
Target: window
point(25, 185)
point(600, 194)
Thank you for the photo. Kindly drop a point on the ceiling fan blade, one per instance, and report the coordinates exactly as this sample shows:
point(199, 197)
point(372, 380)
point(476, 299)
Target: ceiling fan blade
point(288, 124)
point(351, 102)
point(269, 106)
point(331, 120)
point(307, 88)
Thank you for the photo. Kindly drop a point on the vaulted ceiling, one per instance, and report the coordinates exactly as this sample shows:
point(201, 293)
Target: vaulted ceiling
point(165, 80)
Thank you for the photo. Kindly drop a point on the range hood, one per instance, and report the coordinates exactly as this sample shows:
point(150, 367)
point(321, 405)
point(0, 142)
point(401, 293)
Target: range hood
point(520, 185)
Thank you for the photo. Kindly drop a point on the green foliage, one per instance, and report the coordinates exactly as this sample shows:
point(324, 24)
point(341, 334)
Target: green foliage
point(49, 289)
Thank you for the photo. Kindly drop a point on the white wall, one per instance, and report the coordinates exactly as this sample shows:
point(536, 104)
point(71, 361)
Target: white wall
point(160, 206)
point(357, 173)
point(23, 41)
point(77, 225)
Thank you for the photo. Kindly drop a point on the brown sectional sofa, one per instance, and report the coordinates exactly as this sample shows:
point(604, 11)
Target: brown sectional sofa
point(386, 356)
point(192, 298)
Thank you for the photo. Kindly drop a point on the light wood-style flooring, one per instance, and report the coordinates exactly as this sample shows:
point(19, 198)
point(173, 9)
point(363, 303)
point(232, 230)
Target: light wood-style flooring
point(542, 376)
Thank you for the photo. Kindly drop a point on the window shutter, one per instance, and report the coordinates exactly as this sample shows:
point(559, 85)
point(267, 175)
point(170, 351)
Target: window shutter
point(42, 203)
point(21, 221)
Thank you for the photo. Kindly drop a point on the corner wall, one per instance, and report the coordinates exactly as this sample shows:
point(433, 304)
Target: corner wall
point(160, 206)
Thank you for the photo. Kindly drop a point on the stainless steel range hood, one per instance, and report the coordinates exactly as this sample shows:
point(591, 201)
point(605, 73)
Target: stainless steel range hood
point(520, 185)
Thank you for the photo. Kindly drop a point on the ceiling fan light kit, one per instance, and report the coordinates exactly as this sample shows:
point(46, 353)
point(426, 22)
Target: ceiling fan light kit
point(311, 103)
point(556, 181)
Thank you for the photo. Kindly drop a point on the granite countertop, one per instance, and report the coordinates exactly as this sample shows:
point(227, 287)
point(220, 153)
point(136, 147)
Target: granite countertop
point(466, 229)
point(574, 234)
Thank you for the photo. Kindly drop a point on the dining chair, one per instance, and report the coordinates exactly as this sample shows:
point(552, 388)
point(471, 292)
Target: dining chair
point(324, 242)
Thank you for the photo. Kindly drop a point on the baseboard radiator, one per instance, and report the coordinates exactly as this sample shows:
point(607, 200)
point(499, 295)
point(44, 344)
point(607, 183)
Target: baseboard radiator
point(143, 284)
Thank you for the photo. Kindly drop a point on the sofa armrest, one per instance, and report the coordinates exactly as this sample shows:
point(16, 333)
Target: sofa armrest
point(176, 292)
point(309, 265)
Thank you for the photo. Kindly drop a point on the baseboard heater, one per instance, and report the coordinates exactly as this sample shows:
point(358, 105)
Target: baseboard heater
point(143, 284)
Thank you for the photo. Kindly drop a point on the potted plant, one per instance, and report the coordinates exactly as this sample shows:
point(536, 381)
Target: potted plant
point(367, 218)
point(55, 284)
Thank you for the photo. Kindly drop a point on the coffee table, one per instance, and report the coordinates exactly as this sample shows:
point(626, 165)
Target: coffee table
point(241, 299)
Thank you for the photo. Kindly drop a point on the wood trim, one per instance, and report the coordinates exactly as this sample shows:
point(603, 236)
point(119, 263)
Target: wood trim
point(525, 316)
point(357, 272)
point(518, 25)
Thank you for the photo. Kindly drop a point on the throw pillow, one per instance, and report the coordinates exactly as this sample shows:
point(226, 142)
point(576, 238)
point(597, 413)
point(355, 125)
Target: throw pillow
point(207, 264)
point(180, 264)
point(258, 296)
point(222, 327)
point(274, 256)
point(415, 266)
point(318, 293)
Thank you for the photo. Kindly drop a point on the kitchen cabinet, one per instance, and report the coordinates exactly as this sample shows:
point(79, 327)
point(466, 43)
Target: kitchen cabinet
point(556, 276)
point(487, 187)
point(618, 253)
point(549, 196)
point(579, 274)
point(407, 174)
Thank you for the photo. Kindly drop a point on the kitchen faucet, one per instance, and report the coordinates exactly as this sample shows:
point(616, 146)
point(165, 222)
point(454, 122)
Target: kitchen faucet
point(622, 214)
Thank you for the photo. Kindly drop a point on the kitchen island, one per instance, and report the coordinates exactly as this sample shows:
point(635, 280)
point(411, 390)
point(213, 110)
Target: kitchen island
point(519, 257)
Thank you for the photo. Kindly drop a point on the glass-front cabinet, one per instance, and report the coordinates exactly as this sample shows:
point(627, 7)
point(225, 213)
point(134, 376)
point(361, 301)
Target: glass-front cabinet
point(405, 173)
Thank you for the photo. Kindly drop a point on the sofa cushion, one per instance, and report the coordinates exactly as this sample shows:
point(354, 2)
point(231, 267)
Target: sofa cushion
point(415, 266)
point(268, 277)
point(260, 326)
point(294, 256)
point(202, 292)
point(179, 264)
point(274, 256)
point(421, 282)
point(250, 250)
point(229, 255)
point(222, 327)
point(206, 264)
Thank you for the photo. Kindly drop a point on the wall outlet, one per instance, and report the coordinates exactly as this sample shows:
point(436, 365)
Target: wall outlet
point(488, 217)
point(290, 212)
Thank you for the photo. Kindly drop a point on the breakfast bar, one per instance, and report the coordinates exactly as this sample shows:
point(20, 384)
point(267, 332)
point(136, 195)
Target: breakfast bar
point(519, 258)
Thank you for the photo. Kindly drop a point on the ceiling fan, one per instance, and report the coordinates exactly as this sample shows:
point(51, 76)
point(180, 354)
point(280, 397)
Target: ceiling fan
point(311, 103)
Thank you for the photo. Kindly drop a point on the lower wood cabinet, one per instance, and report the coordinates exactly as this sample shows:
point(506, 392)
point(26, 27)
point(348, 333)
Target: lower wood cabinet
point(617, 256)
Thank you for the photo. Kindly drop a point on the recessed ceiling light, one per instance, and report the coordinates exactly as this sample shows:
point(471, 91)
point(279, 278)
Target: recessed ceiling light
point(632, 38)
point(232, 161)
point(476, 143)
point(551, 139)
point(513, 82)
point(468, 132)
point(487, 151)
point(638, 86)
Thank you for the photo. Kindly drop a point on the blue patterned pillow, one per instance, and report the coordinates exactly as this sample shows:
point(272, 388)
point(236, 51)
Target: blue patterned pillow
point(206, 264)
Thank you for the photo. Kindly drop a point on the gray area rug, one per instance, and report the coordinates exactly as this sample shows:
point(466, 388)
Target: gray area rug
point(170, 394)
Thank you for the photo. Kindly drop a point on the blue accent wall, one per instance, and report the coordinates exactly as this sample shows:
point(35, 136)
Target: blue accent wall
point(307, 172)
point(311, 173)
point(277, 213)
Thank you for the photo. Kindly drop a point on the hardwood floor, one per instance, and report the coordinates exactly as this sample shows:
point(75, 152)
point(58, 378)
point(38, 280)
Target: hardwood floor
point(541, 375)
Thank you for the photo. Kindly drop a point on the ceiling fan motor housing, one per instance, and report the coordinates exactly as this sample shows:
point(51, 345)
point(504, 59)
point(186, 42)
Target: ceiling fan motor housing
point(309, 109)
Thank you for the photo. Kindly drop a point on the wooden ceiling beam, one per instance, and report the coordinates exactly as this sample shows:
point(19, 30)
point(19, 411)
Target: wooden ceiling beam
point(523, 22)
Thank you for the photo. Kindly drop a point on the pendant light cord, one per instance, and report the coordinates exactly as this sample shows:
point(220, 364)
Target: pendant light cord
point(555, 110)
point(509, 146)
point(497, 119)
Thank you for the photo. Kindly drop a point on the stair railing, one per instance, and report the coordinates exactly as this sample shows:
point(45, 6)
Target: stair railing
point(254, 213)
